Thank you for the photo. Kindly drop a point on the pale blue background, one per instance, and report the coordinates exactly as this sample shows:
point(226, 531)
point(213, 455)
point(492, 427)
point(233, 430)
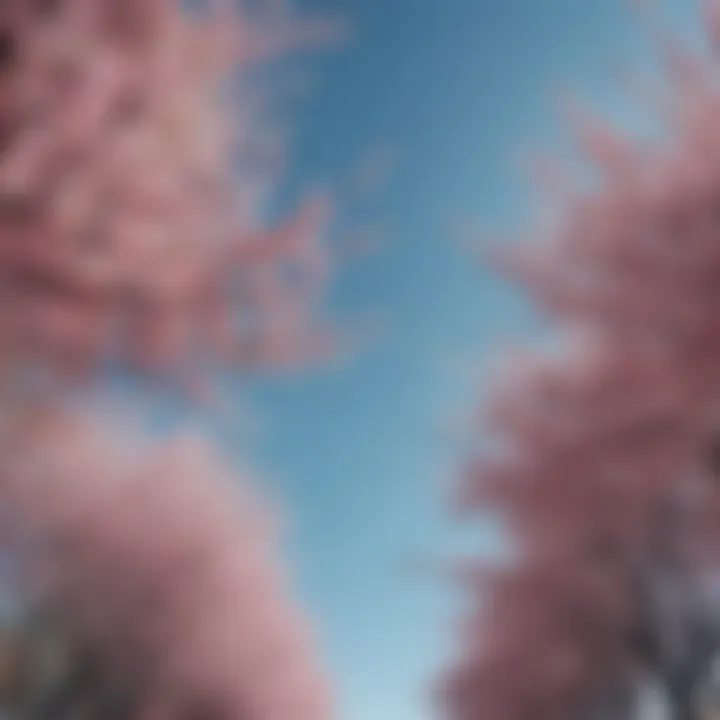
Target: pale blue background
point(460, 89)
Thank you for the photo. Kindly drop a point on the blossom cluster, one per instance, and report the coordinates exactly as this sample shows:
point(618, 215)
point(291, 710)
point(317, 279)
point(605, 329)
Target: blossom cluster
point(132, 235)
point(602, 454)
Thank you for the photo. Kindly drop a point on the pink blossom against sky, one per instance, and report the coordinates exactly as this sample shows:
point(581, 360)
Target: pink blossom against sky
point(132, 233)
point(602, 457)
point(164, 562)
point(127, 228)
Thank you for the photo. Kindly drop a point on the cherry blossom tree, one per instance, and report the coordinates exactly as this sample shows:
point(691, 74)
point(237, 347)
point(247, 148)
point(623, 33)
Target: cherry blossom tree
point(161, 565)
point(130, 222)
point(601, 454)
point(133, 184)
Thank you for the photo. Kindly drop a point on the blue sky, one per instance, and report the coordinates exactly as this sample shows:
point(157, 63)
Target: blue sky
point(361, 452)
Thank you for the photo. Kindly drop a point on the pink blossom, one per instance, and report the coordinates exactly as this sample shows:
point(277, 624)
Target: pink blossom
point(125, 230)
point(603, 458)
point(163, 563)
